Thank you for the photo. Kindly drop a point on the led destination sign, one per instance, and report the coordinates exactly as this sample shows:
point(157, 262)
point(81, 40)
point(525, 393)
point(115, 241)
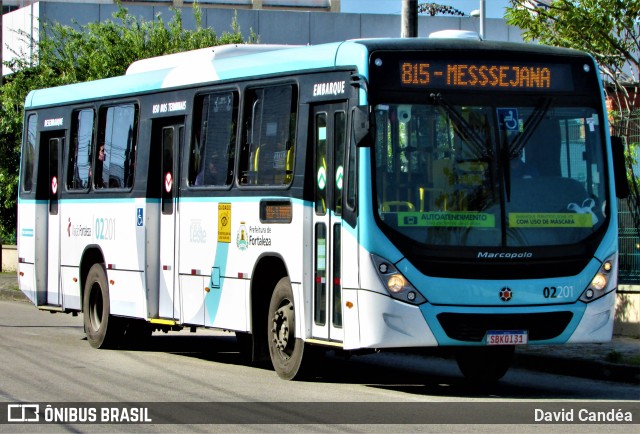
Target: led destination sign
point(486, 75)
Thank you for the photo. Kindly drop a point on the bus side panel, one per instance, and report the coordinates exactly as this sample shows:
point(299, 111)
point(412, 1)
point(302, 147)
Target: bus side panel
point(71, 294)
point(123, 239)
point(27, 232)
point(225, 304)
point(350, 284)
point(76, 234)
point(253, 239)
point(192, 289)
point(198, 249)
point(112, 226)
point(223, 240)
point(126, 294)
point(211, 293)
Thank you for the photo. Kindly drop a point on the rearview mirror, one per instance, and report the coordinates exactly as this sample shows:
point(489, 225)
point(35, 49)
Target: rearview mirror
point(619, 167)
point(361, 125)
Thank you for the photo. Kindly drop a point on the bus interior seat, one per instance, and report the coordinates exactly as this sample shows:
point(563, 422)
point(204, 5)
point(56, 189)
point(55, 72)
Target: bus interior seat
point(543, 149)
point(398, 205)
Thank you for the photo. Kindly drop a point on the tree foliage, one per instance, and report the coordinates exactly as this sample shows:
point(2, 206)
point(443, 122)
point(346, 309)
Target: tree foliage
point(71, 54)
point(434, 9)
point(609, 30)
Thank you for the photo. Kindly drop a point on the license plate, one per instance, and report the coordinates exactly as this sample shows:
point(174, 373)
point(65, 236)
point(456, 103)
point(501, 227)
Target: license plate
point(507, 337)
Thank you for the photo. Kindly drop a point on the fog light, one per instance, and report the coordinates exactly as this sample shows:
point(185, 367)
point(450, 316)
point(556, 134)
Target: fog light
point(411, 296)
point(589, 293)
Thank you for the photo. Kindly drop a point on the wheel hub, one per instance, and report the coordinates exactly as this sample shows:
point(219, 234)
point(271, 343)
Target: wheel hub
point(283, 334)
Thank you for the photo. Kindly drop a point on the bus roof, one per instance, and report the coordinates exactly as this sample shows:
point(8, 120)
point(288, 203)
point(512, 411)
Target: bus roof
point(189, 68)
point(214, 64)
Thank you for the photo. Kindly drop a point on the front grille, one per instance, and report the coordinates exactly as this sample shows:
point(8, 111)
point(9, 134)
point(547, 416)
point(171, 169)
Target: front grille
point(473, 327)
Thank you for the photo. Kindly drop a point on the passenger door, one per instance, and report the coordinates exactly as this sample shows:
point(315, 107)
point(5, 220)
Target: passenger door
point(55, 146)
point(172, 138)
point(329, 135)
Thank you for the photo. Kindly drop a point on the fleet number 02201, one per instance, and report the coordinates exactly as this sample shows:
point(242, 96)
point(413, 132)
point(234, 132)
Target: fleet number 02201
point(563, 291)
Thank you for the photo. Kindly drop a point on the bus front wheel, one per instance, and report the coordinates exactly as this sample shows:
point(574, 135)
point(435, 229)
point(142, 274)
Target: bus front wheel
point(102, 328)
point(286, 351)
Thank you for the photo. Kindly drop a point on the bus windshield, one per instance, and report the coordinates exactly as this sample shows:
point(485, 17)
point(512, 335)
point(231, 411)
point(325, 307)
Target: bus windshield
point(476, 172)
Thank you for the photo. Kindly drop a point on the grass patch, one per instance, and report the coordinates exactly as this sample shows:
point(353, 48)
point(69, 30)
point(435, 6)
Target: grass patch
point(617, 357)
point(633, 360)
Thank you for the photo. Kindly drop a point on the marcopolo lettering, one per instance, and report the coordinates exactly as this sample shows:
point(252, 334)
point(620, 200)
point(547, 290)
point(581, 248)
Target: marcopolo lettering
point(331, 88)
point(505, 255)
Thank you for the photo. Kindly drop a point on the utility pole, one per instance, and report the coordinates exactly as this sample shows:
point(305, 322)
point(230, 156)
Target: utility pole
point(409, 21)
point(483, 15)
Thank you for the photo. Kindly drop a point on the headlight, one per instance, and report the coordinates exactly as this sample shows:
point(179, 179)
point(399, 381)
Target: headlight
point(603, 282)
point(396, 284)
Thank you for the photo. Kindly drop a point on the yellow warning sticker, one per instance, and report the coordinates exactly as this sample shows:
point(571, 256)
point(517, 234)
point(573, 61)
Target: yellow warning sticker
point(224, 222)
point(549, 220)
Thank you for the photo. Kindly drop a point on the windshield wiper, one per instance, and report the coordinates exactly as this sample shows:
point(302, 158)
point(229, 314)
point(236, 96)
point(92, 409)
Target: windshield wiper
point(462, 127)
point(529, 127)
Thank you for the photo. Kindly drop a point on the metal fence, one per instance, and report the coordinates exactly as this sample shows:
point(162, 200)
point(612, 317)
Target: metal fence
point(629, 217)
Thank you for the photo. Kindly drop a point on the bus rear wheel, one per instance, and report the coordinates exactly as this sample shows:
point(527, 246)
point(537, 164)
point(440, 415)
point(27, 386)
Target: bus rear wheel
point(103, 330)
point(286, 351)
point(484, 365)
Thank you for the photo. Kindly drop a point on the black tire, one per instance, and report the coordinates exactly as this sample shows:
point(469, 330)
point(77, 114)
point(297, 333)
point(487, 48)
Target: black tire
point(286, 351)
point(484, 365)
point(103, 330)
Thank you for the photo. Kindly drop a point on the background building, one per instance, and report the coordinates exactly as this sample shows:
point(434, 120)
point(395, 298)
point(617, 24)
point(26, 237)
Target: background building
point(299, 22)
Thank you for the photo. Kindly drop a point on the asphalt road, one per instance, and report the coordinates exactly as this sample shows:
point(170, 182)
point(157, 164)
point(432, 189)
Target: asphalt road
point(45, 358)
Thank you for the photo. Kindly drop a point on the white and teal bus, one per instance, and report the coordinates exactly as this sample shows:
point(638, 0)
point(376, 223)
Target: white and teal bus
point(368, 194)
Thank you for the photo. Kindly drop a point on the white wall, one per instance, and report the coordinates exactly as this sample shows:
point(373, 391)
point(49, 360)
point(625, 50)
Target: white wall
point(25, 19)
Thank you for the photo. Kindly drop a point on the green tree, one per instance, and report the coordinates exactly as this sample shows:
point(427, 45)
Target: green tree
point(434, 9)
point(70, 54)
point(609, 30)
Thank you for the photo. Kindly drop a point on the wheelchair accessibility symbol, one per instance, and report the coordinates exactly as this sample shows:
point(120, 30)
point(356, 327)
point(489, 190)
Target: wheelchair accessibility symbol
point(508, 119)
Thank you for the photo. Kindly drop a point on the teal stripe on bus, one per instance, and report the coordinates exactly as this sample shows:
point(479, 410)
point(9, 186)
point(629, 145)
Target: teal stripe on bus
point(212, 299)
point(97, 89)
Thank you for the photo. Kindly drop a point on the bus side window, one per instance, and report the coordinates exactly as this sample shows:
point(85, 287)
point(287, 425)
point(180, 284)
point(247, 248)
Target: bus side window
point(213, 145)
point(267, 152)
point(28, 154)
point(80, 148)
point(115, 154)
